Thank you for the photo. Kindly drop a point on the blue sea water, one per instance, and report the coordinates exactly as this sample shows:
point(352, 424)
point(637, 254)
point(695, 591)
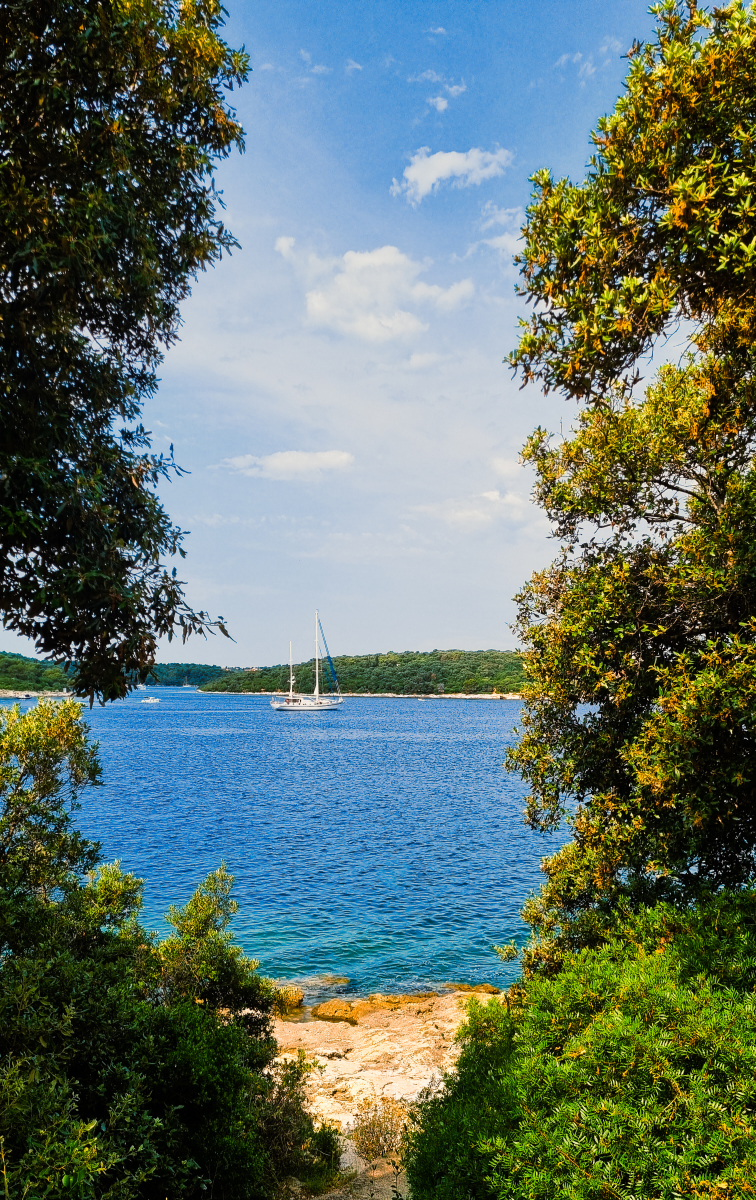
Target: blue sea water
point(377, 848)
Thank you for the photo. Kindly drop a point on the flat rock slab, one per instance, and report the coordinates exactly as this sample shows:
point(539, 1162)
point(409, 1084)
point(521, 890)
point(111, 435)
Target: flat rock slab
point(382, 1046)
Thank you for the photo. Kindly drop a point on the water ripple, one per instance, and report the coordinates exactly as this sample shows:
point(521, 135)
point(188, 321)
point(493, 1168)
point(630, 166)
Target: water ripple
point(382, 844)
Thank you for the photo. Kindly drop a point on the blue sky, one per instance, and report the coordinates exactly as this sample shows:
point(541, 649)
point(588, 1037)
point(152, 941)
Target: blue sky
point(338, 394)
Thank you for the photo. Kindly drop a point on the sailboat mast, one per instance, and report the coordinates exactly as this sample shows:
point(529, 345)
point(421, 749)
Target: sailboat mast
point(291, 673)
point(317, 680)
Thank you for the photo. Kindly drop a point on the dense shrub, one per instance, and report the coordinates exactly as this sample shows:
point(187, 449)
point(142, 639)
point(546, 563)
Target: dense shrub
point(129, 1066)
point(631, 1073)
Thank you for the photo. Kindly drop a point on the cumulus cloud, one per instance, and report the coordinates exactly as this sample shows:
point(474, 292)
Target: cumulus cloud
point(426, 172)
point(439, 30)
point(351, 65)
point(290, 464)
point(438, 102)
point(319, 69)
point(371, 294)
point(456, 89)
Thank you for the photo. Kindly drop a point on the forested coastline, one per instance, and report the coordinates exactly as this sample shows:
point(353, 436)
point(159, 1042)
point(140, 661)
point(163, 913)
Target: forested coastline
point(19, 673)
point(426, 673)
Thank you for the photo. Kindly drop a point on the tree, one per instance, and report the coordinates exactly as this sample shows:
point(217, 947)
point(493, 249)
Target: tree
point(640, 719)
point(112, 116)
point(130, 1067)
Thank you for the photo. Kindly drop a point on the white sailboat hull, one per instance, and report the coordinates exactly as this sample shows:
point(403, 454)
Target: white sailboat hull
point(306, 703)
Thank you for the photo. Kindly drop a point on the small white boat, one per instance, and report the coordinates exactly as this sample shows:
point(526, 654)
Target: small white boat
point(318, 701)
point(151, 700)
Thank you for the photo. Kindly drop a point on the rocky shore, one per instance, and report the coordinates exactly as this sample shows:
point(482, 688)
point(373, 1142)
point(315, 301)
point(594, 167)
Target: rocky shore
point(9, 694)
point(382, 1046)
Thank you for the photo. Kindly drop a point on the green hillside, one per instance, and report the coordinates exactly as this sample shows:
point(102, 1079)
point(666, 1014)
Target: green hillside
point(412, 672)
point(177, 674)
point(21, 674)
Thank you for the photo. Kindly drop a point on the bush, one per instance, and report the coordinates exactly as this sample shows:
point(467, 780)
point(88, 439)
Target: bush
point(378, 1127)
point(129, 1067)
point(630, 1073)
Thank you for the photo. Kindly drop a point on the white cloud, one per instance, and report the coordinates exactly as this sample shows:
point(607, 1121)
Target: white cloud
point(319, 69)
point(492, 215)
point(585, 63)
point(426, 77)
point(285, 247)
point(568, 58)
point(290, 464)
point(305, 56)
point(456, 89)
point(266, 67)
point(506, 243)
point(438, 103)
point(422, 362)
point(370, 294)
point(439, 30)
point(477, 512)
point(427, 171)
point(351, 65)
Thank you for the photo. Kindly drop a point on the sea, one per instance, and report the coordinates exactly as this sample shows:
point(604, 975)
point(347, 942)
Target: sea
point(377, 848)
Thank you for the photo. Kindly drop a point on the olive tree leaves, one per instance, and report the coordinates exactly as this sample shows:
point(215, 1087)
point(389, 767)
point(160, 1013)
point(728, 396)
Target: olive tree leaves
point(639, 638)
point(112, 117)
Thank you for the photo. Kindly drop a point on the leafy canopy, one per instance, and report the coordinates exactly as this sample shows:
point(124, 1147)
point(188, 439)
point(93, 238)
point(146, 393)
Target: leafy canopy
point(664, 226)
point(112, 116)
point(640, 638)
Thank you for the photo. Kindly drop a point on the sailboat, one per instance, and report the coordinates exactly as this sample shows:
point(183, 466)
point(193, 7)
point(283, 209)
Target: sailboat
point(318, 701)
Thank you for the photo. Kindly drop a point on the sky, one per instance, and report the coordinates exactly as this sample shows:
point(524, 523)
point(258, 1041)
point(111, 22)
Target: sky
point(338, 395)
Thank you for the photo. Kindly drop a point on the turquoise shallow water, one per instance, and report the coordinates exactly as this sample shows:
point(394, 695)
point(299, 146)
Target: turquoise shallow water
point(380, 847)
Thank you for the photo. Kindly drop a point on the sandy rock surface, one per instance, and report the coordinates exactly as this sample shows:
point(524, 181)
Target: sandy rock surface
point(381, 1046)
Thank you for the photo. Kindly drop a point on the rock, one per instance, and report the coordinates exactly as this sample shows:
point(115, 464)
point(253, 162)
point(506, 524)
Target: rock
point(354, 1010)
point(390, 1046)
point(487, 989)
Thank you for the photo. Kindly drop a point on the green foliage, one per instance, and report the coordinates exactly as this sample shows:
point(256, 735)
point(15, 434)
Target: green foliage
point(18, 673)
point(409, 673)
point(640, 713)
point(664, 226)
point(629, 1074)
point(112, 117)
point(178, 674)
point(129, 1067)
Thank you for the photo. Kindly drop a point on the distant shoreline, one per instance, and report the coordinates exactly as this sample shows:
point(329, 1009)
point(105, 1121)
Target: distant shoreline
point(13, 694)
point(388, 695)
